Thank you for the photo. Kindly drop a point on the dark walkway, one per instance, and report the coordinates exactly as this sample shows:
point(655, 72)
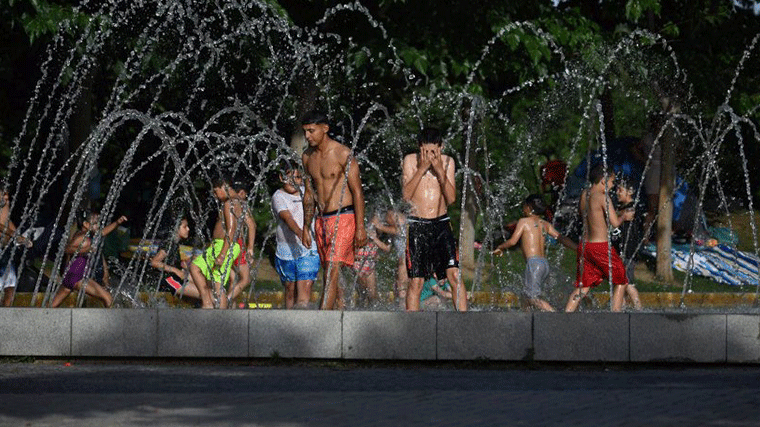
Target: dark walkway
point(161, 394)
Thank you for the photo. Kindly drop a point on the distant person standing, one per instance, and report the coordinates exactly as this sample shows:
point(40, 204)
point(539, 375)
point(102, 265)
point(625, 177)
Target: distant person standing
point(334, 188)
point(594, 254)
point(428, 178)
point(531, 231)
point(8, 237)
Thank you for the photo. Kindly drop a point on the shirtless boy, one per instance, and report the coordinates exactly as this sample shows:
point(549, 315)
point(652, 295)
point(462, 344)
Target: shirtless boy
point(594, 260)
point(429, 188)
point(531, 231)
point(246, 237)
point(335, 187)
point(215, 263)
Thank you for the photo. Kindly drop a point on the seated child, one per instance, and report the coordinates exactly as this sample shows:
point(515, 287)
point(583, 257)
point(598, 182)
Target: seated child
point(168, 260)
point(78, 250)
point(8, 277)
point(434, 293)
point(531, 231)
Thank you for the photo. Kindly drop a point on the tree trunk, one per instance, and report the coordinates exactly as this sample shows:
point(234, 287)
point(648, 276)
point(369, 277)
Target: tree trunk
point(665, 211)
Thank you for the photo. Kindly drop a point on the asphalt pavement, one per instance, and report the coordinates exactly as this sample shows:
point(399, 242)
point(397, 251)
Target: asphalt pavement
point(179, 393)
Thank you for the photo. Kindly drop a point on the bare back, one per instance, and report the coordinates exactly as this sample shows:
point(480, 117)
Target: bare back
point(427, 198)
point(327, 169)
point(593, 207)
point(226, 226)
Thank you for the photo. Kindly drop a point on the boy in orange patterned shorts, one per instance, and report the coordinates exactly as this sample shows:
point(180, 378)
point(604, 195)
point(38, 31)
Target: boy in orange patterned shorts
point(335, 187)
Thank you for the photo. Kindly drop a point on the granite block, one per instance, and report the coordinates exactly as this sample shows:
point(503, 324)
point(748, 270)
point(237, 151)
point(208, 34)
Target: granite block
point(389, 335)
point(743, 338)
point(678, 337)
point(202, 333)
point(484, 335)
point(114, 332)
point(581, 337)
point(35, 331)
point(295, 333)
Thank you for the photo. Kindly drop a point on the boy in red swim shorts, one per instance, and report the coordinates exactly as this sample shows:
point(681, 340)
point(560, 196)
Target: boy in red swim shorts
point(595, 257)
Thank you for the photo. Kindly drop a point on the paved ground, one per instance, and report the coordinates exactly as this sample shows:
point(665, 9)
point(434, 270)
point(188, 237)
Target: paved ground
point(125, 393)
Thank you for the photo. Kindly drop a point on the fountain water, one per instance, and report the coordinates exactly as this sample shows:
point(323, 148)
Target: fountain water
point(193, 88)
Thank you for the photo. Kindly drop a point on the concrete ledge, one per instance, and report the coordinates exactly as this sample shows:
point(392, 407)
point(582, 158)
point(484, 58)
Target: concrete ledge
point(114, 333)
point(742, 338)
point(581, 337)
point(484, 335)
point(678, 337)
point(35, 332)
point(510, 336)
point(295, 333)
point(202, 333)
point(389, 335)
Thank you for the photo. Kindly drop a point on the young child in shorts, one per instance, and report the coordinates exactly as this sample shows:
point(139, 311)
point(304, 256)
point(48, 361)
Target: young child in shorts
point(531, 231)
point(296, 264)
point(78, 250)
point(365, 261)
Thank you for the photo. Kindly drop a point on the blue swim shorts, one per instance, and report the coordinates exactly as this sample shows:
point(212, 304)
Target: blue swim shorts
point(302, 268)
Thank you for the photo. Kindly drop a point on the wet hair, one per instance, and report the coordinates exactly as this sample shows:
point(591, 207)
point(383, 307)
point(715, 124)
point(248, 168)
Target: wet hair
point(85, 215)
point(429, 135)
point(536, 204)
point(598, 172)
point(314, 117)
point(627, 183)
point(239, 184)
point(287, 166)
point(219, 181)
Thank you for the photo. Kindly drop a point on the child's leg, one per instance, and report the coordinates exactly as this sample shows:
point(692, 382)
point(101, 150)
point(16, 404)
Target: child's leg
point(61, 295)
point(633, 293)
point(93, 289)
point(541, 304)
point(204, 292)
point(618, 293)
point(244, 279)
point(189, 290)
point(290, 293)
point(222, 293)
point(8, 296)
point(575, 299)
point(402, 280)
point(303, 293)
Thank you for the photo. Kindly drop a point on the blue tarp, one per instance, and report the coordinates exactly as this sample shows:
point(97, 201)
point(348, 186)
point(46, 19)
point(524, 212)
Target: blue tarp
point(721, 263)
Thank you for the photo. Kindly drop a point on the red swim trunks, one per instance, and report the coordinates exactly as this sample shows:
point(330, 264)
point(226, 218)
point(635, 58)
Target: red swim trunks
point(241, 260)
point(336, 243)
point(593, 264)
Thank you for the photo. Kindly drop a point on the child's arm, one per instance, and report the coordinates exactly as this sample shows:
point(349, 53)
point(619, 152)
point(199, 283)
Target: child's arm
point(112, 226)
point(566, 241)
point(445, 294)
point(511, 241)
point(251, 224)
point(384, 228)
point(380, 244)
point(230, 224)
point(157, 263)
point(286, 216)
